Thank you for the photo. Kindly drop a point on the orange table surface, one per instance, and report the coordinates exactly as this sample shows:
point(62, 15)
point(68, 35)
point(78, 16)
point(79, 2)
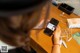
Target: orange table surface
point(43, 43)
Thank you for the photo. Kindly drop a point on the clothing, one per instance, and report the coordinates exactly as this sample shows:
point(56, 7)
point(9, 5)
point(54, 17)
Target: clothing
point(8, 46)
point(12, 49)
point(20, 50)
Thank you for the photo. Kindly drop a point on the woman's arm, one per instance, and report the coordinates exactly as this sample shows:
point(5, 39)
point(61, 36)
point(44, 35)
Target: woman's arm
point(56, 41)
point(56, 47)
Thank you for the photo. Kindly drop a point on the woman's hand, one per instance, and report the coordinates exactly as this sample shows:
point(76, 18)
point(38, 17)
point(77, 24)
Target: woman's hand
point(56, 36)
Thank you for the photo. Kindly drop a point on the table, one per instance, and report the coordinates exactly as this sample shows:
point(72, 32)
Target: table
point(43, 43)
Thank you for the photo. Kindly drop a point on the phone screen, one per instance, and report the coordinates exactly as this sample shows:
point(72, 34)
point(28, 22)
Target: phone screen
point(51, 26)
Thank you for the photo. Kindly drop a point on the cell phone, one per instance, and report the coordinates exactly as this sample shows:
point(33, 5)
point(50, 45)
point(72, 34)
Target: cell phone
point(51, 26)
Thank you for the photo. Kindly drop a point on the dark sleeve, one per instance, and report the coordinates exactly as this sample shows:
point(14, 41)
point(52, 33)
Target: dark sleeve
point(21, 50)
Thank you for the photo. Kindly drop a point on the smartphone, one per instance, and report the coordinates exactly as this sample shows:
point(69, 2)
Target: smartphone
point(51, 26)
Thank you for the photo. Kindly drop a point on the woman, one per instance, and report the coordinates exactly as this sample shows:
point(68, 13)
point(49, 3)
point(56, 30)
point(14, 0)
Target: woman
point(17, 18)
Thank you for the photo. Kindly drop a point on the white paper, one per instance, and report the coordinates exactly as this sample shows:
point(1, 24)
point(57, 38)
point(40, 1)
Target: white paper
point(74, 22)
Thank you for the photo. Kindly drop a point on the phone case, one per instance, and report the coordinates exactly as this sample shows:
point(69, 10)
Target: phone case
point(51, 26)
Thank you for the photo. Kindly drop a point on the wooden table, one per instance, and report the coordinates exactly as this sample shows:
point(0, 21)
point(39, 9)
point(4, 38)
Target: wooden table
point(43, 43)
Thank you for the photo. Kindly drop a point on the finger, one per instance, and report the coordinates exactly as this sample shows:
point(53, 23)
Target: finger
point(57, 29)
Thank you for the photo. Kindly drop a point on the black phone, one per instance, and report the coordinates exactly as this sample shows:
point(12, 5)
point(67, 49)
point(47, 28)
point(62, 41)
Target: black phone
point(51, 26)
